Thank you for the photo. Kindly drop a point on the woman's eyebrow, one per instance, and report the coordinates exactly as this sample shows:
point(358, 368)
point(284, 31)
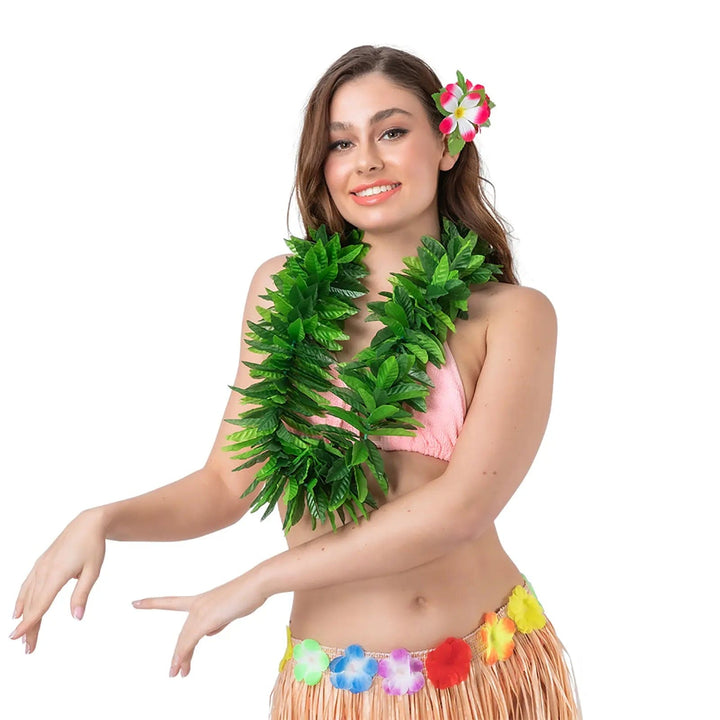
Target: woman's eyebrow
point(376, 118)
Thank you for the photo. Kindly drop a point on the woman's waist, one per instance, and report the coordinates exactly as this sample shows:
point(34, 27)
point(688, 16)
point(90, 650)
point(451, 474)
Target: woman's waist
point(415, 609)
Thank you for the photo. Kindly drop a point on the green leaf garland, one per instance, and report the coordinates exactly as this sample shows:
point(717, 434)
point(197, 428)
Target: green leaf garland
point(320, 466)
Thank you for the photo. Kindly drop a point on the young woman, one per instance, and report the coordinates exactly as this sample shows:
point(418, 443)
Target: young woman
point(415, 610)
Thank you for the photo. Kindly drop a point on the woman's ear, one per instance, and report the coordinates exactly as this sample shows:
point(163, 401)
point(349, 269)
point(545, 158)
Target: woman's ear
point(447, 161)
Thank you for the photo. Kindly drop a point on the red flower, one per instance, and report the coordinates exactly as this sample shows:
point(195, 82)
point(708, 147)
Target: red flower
point(449, 663)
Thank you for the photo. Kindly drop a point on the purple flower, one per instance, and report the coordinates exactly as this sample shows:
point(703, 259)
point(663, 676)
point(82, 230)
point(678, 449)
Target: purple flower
point(402, 673)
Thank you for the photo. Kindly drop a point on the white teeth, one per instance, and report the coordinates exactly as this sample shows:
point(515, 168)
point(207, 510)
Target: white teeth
point(376, 190)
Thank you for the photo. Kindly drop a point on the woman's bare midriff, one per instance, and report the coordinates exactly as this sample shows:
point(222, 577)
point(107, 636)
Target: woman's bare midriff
point(419, 608)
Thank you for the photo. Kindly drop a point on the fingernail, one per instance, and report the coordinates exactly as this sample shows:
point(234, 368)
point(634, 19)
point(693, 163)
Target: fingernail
point(78, 613)
point(136, 603)
point(27, 649)
point(12, 634)
point(16, 615)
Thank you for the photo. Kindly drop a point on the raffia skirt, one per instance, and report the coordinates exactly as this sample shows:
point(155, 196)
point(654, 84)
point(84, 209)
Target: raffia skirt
point(496, 672)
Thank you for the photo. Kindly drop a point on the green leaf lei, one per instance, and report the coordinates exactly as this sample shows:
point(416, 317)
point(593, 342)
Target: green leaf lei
point(320, 465)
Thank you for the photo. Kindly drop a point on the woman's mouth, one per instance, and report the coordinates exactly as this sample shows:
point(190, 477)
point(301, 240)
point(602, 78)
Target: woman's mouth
point(376, 194)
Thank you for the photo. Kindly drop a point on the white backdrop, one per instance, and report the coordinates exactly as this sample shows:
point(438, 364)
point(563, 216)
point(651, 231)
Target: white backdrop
point(146, 163)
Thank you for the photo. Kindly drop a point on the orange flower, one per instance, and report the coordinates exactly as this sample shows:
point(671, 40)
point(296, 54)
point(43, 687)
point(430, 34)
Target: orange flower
point(497, 636)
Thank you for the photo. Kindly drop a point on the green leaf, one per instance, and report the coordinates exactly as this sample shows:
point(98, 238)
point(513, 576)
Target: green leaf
point(361, 483)
point(418, 352)
point(436, 97)
point(442, 271)
point(340, 491)
point(411, 288)
point(368, 398)
point(296, 331)
point(387, 373)
point(395, 311)
point(291, 490)
point(349, 254)
point(455, 143)
point(392, 431)
point(312, 503)
point(241, 438)
point(349, 507)
point(348, 417)
point(289, 439)
point(381, 413)
point(428, 260)
point(359, 453)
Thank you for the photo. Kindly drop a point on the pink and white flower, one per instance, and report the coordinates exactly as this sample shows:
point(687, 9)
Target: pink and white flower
point(466, 110)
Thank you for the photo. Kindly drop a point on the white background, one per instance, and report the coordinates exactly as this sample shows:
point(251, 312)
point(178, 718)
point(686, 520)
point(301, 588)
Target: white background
point(146, 162)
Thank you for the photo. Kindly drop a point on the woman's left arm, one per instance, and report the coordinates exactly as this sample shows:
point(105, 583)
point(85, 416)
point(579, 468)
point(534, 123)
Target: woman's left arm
point(500, 437)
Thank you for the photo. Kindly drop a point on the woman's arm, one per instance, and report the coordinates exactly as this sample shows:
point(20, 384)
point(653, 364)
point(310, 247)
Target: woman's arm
point(198, 504)
point(501, 434)
point(203, 502)
point(208, 499)
point(414, 529)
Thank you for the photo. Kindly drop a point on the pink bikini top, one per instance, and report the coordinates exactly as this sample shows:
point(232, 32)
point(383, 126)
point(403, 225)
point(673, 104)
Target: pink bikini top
point(443, 419)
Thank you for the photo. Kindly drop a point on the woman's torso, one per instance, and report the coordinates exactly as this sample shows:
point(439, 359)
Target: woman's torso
point(420, 607)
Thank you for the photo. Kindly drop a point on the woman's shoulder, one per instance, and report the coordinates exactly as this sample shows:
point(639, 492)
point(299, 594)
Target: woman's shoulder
point(495, 300)
point(496, 309)
point(272, 265)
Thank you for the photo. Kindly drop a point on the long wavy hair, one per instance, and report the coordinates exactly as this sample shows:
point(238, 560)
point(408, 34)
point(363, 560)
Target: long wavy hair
point(461, 196)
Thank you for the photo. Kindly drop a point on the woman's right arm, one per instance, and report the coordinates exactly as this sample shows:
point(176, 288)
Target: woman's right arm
point(200, 503)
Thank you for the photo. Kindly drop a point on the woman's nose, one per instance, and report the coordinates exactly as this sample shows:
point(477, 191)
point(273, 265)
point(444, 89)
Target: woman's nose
point(368, 158)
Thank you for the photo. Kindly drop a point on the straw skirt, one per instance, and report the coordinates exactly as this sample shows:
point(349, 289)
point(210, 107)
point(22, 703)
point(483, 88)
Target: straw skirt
point(534, 681)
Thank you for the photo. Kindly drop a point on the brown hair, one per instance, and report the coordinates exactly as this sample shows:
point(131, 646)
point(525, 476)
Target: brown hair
point(460, 192)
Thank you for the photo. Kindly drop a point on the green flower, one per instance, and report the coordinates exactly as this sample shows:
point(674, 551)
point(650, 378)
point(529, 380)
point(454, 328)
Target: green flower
point(310, 661)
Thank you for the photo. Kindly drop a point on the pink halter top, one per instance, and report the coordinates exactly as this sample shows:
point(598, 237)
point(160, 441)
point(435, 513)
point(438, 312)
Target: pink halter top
point(443, 419)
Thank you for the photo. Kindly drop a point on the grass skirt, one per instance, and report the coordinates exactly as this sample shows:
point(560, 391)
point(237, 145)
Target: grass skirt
point(534, 683)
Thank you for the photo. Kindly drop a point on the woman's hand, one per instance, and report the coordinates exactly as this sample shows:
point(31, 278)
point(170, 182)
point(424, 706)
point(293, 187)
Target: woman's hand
point(208, 613)
point(78, 552)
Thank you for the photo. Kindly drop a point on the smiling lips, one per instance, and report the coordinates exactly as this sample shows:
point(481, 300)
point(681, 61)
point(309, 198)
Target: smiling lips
point(375, 193)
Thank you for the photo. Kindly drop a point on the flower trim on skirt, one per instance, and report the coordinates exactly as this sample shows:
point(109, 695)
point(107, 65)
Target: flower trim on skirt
point(403, 672)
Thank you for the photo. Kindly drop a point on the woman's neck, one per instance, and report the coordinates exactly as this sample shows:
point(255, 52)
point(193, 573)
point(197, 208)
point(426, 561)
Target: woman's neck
point(387, 250)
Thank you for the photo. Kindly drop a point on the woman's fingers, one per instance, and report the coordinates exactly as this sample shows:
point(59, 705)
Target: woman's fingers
point(28, 628)
point(185, 645)
point(190, 635)
point(165, 603)
point(31, 636)
point(86, 579)
point(37, 602)
point(20, 602)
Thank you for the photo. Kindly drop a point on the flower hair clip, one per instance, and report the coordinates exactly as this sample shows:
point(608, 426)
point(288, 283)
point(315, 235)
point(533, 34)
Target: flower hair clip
point(466, 108)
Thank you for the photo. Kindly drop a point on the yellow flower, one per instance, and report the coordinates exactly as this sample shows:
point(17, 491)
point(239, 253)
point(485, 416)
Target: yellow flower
point(524, 609)
point(288, 650)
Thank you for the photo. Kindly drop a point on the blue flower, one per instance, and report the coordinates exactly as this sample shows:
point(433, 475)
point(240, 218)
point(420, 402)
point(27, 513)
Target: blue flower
point(353, 671)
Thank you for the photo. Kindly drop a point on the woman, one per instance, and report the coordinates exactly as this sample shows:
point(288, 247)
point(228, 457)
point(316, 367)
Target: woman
point(415, 611)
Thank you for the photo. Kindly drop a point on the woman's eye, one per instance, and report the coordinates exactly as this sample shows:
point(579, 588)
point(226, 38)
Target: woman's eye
point(398, 132)
point(338, 143)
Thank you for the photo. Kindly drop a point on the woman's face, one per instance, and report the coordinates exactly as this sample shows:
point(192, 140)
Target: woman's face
point(380, 137)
